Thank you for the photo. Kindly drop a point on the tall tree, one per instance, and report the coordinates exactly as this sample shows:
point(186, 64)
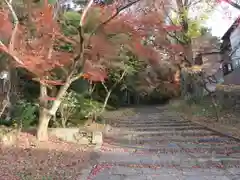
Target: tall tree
point(38, 45)
point(184, 18)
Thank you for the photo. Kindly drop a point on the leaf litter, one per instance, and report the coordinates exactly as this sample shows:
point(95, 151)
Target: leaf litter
point(33, 160)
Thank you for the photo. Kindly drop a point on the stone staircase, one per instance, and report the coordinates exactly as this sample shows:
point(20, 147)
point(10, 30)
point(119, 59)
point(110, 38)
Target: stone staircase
point(161, 145)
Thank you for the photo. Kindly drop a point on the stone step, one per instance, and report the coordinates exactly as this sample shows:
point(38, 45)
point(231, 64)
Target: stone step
point(174, 161)
point(189, 168)
point(132, 141)
point(155, 128)
point(213, 140)
point(178, 133)
point(187, 128)
point(150, 129)
point(172, 147)
point(158, 124)
point(227, 146)
point(143, 124)
point(147, 145)
point(215, 151)
point(152, 132)
point(146, 119)
point(147, 122)
point(201, 140)
point(190, 128)
point(154, 141)
point(167, 133)
point(209, 150)
point(159, 127)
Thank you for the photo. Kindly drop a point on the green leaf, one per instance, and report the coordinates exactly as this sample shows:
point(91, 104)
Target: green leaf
point(52, 1)
point(49, 1)
point(80, 86)
point(70, 22)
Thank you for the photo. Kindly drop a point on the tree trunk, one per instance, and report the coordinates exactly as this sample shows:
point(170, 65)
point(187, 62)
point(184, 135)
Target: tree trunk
point(63, 116)
point(214, 103)
point(106, 101)
point(188, 52)
point(44, 116)
point(64, 122)
point(61, 93)
point(46, 113)
point(42, 130)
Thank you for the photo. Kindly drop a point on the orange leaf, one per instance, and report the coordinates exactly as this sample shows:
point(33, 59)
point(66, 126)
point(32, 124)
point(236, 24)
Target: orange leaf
point(47, 13)
point(52, 82)
point(172, 28)
point(5, 25)
point(85, 76)
point(97, 76)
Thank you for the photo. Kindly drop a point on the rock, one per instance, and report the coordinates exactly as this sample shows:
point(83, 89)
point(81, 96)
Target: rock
point(8, 136)
point(66, 134)
point(95, 127)
point(97, 138)
point(75, 135)
point(107, 129)
point(83, 141)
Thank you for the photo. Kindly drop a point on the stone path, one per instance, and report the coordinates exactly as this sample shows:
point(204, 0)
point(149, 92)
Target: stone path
point(157, 144)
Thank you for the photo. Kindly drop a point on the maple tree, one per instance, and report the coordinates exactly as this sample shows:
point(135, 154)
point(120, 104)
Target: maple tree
point(34, 44)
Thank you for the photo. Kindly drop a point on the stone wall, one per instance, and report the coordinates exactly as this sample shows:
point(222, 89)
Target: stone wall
point(191, 88)
point(228, 96)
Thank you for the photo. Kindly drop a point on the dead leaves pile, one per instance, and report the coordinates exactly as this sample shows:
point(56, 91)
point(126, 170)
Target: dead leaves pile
point(32, 160)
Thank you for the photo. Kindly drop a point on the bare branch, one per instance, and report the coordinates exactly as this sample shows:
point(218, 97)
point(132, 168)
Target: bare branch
point(85, 12)
point(175, 35)
point(193, 3)
point(105, 87)
point(16, 22)
point(9, 50)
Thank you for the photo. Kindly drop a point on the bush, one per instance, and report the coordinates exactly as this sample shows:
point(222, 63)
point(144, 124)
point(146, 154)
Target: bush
point(25, 114)
point(76, 109)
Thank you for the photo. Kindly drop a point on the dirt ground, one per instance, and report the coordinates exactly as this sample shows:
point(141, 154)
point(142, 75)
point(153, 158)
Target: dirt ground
point(32, 160)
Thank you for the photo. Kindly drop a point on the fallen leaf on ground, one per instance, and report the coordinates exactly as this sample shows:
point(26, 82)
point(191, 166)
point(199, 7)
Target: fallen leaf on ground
point(54, 159)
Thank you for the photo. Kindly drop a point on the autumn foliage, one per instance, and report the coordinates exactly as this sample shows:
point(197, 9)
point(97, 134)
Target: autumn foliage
point(35, 44)
point(35, 40)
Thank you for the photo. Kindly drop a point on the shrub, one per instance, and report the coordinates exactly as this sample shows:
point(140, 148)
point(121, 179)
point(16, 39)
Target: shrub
point(76, 109)
point(25, 114)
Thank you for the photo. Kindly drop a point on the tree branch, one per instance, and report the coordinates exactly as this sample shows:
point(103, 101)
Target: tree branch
point(118, 10)
point(105, 87)
point(232, 4)
point(80, 57)
point(16, 22)
point(77, 63)
point(175, 35)
point(9, 50)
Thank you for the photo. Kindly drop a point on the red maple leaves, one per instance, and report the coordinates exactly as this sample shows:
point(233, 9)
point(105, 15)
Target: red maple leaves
point(5, 24)
point(36, 52)
point(172, 28)
point(36, 41)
